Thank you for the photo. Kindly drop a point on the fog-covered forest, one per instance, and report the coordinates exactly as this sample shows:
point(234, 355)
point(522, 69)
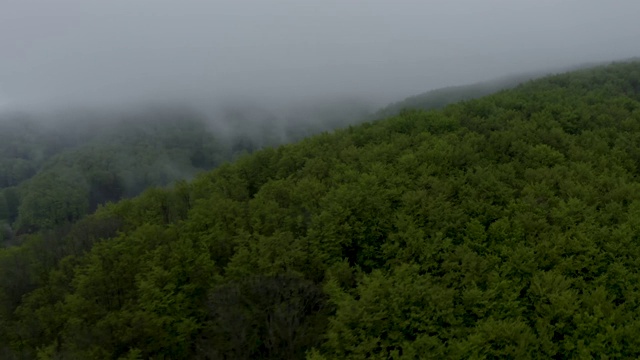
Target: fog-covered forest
point(57, 167)
point(319, 180)
point(499, 227)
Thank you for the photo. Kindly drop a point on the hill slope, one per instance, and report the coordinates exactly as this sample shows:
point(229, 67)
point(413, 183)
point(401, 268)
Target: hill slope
point(56, 168)
point(505, 226)
point(438, 98)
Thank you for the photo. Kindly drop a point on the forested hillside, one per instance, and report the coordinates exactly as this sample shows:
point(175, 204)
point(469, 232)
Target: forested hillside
point(57, 167)
point(439, 98)
point(506, 226)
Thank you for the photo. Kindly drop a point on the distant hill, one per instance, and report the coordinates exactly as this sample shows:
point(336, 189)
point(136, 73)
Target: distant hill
point(438, 98)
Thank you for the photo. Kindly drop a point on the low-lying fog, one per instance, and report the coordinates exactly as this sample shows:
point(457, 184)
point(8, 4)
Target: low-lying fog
point(273, 54)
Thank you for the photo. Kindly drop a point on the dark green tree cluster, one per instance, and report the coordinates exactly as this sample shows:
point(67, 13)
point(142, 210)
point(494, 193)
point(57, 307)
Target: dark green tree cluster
point(504, 227)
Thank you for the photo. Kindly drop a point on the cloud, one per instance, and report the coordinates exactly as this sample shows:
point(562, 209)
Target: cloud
point(119, 52)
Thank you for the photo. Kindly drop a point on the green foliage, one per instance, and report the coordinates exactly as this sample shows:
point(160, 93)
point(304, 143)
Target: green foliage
point(11, 200)
point(4, 207)
point(504, 227)
point(53, 176)
point(112, 156)
point(264, 317)
point(52, 200)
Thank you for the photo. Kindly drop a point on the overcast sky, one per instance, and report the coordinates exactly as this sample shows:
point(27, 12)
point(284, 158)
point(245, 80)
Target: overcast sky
point(55, 52)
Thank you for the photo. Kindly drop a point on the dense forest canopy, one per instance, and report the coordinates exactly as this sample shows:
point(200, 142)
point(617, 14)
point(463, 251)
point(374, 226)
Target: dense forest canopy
point(505, 226)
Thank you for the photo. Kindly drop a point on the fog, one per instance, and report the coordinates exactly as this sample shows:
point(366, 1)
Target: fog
point(67, 53)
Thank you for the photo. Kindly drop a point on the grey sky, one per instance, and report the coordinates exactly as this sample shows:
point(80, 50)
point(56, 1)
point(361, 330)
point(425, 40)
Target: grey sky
point(55, 52)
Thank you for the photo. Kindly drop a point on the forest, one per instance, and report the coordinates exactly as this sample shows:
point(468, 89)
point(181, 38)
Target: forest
point(506, 226)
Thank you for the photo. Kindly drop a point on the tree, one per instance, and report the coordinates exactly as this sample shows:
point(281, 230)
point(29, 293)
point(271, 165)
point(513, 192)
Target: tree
point(12, 202)
point(51, 200)
point(264, 317)
point(4, 208)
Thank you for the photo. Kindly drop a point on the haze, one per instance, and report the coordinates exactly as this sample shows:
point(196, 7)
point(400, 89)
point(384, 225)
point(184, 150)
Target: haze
point(70, 53)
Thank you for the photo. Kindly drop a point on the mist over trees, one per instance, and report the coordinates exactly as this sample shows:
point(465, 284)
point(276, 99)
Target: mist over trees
point(58, 166)
point(499, 227)
point(318, 180)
